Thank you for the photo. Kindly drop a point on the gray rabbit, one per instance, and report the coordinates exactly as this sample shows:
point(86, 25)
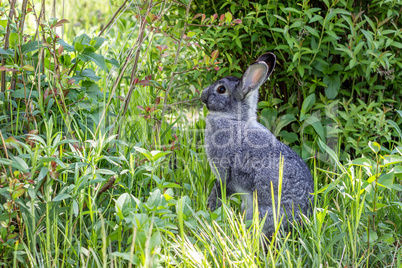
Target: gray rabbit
point(245, 155)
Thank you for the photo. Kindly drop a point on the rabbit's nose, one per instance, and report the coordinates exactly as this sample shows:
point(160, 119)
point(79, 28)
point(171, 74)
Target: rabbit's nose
point(204, 96)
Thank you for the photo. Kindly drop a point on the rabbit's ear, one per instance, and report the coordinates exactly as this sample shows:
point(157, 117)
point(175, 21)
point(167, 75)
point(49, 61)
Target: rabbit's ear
point(258, 72)
point(270, 59)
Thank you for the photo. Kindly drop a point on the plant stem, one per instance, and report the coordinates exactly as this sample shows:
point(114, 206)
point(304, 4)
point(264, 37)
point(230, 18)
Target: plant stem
point(175, 63)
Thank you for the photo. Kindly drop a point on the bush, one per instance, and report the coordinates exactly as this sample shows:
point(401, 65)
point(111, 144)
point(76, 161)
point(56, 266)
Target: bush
point(327, 51)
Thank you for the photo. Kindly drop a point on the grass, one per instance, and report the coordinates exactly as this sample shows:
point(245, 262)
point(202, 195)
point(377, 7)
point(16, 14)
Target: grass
point(140, 200)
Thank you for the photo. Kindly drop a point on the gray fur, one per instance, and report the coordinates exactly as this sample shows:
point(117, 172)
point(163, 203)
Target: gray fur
point(245, 155)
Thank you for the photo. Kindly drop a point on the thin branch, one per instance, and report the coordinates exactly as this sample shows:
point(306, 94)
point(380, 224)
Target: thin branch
point(113, 18)
point(75, 102)
point(179, 3)
point(140, 41)
point(104, 188)
point(175, 63)
point(134, 70)
point(5, 150)
point(6, 44)
point(117, 82)
point(182, 102)
point(24, 13)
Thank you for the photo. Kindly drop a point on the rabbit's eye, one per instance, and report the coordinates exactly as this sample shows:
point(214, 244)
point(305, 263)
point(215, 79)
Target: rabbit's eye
point(221, 90)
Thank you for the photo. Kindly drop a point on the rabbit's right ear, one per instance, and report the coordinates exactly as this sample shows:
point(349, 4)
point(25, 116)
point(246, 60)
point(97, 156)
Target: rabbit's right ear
point(257, 73)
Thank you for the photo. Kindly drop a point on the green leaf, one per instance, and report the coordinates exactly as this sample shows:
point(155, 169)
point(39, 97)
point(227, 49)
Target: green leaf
point(283, 122)
point(93, 92)
point(190, 34)
point(144, 152)
point(395, 125)
point(158, 154)
point(17, 193)
point(289, 137)
point(78, 47)
point(67, 47)
point(61, 197)
point(333, 155)
point(308, 103)
point(3, 23)
point(372, 237)
point(374, 146)
point(99, 60)
point(13, 39)
point(98, 42)
point(114, 62)
point(361, 162)
point(268, 117)
point(369, 36)
point(169, 127)
point(83, 39)
point(30, 46)
point(7, 52)
point(90, 74)
point(316, 124)
point(238, 42)
point(6, 216)
point(228, 16)
point(132, 258)
point(386, 180)
point(28, 67)
point(333, 83)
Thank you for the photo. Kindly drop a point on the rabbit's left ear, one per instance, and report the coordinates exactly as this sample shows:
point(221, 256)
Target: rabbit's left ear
point(258, 72)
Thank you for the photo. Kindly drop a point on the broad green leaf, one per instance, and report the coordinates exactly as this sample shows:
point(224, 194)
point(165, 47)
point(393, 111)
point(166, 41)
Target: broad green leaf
point(308, 103)
point(289, 137)
point(114, 62)
point(3, 23)
point(143, 151)
point(316, 124)
point(28, 67)
point(371, 237)
point(158, 154)
point(89, 73)
point(83, 39)
point(6, 216)
point(395, 125)
point(98, 59)
point(132, 258)
point(9, 52)
point(333, 83)
point(67, 47)
point(228, 16)
point(283, 122)
point(386, 180)
point(17, 193)
point(190, 34)
point(361, 162)
point(333, 155)
point(30, 46)
point(61, 197)
point(374, 146)
point(13, 39)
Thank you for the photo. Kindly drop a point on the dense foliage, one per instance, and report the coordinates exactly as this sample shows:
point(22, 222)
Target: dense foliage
point(101, 131)
point(341, 54)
